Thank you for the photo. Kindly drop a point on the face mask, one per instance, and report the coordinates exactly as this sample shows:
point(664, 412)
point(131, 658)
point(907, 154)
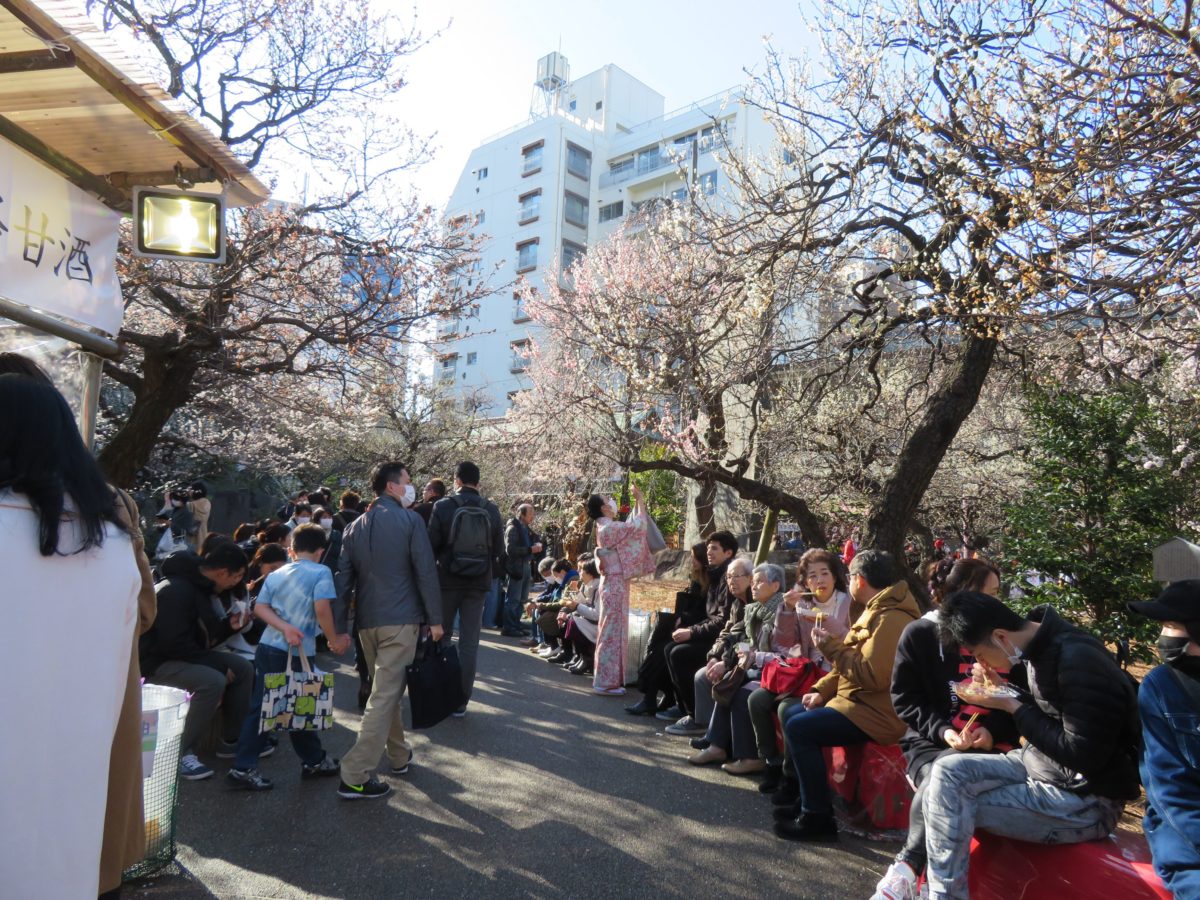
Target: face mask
point(1013, 653)
point(409, 497)
point(303, 520)
point(327, 524)
point(1171, 648)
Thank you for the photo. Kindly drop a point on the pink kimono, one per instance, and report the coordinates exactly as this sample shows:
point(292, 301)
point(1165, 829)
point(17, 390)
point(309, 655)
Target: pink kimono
point(623, 555)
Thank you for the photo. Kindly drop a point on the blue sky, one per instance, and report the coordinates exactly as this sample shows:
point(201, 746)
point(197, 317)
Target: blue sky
point(476, 78)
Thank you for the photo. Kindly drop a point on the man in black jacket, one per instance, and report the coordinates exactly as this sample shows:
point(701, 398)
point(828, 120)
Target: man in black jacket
point(519, 550)
point(690, 651)
point(178, 652)
point(465, 577)
point(1080, 723)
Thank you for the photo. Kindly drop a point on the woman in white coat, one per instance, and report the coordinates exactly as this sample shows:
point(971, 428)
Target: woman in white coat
point(70, 607)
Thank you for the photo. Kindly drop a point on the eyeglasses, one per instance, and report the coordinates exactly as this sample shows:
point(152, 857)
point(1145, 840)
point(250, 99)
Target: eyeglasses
point(729, 576)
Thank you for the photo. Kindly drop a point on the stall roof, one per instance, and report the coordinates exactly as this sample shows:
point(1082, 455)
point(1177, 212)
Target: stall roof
point(74, 98)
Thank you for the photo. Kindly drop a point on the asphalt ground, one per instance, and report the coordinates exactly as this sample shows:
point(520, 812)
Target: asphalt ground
point(543, 790)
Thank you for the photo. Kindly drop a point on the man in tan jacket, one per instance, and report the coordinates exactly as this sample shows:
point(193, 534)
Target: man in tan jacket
point(853, 703)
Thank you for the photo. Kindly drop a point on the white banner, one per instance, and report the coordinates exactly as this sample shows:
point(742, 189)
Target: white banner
point(58, 245)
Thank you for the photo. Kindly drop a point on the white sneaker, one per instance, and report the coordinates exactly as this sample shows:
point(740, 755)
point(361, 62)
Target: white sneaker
point(191, 769)
point(898, 883)
point(547, 653)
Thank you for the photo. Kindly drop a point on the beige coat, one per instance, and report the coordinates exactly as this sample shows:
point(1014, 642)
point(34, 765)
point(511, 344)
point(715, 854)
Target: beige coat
point(124, 822)
point(201, 509)
point(860, 683)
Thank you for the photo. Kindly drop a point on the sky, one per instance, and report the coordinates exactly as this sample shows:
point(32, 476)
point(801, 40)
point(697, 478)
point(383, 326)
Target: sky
point(476, 78)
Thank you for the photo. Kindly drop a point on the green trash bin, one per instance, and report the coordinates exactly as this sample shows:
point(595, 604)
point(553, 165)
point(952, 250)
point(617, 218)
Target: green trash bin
point(164, 710)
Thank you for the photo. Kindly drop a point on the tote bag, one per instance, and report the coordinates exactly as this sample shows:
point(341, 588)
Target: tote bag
point(297, 701)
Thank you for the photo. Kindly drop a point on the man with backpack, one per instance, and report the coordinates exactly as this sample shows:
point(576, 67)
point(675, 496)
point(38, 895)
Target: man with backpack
point(467, 535)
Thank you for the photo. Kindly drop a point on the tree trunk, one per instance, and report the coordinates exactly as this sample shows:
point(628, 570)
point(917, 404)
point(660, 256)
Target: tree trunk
point(889, 517)
point(764, 539)
point(706, 508)
point(166, 386)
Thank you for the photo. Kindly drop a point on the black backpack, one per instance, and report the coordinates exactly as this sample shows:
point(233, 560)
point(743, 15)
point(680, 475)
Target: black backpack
point(469, 550)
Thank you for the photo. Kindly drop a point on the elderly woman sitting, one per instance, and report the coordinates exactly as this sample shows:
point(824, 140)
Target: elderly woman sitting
point(735, 678)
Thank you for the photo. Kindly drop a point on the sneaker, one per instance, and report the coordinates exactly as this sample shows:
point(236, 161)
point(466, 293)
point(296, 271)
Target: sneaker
point(248, 780)
point(403, 770)
point(228, 750)
point(191, 769)
point(539, 649)
point(899, 882)
point(685, 726)
point(326, 767)
point(670, 714)
point(611, 692)
point(548, 653)
point(700, 743)
point(557, 657)
point(708, 756)
point(371, 790)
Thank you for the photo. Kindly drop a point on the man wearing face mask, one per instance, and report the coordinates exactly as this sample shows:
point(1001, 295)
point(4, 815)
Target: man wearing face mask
point(1169, 702)
point(1079, 765)
point(302, 515)
point(387, 566)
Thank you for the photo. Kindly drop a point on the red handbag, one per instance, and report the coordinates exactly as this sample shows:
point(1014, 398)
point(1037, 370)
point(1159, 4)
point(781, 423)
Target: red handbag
point(790, 677)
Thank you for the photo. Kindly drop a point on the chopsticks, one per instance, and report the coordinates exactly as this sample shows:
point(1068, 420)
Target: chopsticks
point(971, 721)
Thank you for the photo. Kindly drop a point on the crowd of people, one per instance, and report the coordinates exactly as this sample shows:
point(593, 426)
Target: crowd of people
point(1018, 725)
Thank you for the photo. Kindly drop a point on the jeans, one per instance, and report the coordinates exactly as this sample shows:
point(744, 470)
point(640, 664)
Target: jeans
point(307, 744)
point(807, 732)
point(913, 853)
point(514, 601)
point(993, 792)
point(729, 727)
point(491, 606)
point(467, 604)
point(208, 686)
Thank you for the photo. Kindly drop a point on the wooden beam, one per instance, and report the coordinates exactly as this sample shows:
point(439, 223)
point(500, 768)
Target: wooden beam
point(65, 166)
point(35, 61)
point(127, 180)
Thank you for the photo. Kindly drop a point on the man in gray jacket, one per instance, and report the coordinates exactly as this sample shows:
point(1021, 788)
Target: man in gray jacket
point(387, 567)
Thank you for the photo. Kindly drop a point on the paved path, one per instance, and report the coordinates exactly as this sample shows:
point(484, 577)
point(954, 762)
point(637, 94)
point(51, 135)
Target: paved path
point(543, 790)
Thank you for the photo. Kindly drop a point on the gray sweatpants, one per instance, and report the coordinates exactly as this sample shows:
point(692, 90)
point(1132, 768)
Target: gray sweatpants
point(995, 793)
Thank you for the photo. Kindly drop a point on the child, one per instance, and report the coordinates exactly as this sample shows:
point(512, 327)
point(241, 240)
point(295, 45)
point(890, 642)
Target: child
point(295, 602)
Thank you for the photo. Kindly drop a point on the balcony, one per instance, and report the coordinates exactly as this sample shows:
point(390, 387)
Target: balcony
point(446, 376)
point(647, 163)
point(447, 329)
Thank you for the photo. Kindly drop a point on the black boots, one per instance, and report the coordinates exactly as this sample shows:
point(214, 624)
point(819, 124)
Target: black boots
point(809, 827)
point(772, 778)
point(788, 793)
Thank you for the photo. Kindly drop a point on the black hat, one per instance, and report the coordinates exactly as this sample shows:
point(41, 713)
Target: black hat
point(1179, 602)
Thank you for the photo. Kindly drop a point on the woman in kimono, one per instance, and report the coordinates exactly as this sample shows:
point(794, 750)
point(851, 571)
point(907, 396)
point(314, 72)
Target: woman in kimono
point(622, 555)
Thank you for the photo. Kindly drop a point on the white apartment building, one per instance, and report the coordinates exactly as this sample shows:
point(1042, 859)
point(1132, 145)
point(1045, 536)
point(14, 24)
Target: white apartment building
point(595, 150)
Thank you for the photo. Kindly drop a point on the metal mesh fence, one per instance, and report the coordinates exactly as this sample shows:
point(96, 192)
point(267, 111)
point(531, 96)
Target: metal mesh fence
point(164, 710)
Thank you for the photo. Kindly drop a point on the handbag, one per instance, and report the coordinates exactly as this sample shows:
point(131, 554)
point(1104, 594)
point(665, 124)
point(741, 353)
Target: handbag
point(725, 689)
point(790, 677)
point(434, 683)
point(654, 538)
point(296, 701)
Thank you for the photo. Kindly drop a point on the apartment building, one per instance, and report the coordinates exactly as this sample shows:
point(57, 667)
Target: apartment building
point(594, 151)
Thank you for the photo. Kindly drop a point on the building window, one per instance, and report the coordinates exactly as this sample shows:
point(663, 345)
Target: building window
point(684, 140)
point(479, 219)
point(471, 358)
point(571, 253)
point(611, 211)
point(788, 157)
point(619, 168)
point(527, 255)
point(575, 209)
point(579, 162)
point(520, 356)
point(520, 313)
point(448, 366)
point(531, 205)
point(481, 174)
point(708, 183)
point(599, 104)
point(571, 107)
point(533, 159)
point(680, 195)
point(712, 137)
